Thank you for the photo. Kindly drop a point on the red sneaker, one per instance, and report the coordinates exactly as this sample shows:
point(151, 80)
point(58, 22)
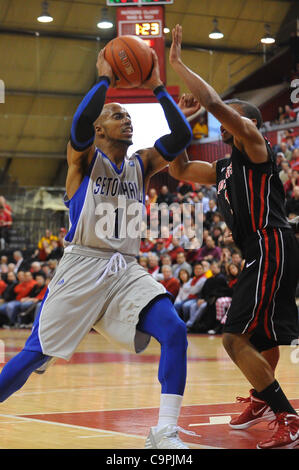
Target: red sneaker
point(286, 435)
point(256, 411)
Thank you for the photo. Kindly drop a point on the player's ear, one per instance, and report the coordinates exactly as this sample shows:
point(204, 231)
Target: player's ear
point(99, 130)
point(254, 121)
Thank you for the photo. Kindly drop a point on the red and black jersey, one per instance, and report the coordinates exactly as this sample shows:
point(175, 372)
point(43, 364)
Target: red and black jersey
point(250, 196)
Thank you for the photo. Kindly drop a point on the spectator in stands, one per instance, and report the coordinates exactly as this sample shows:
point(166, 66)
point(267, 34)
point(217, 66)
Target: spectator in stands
point(56, 250)
point(153, 266)
point(285, 171)
point(143, 261)
point(216, 234)
point(211, 212)
point(4, 259)
point(280, 119)
point(36, 269)
point(3, 270)
point(223, 303)
point(284, 148)
point(185, 285)
point(291, 183)
point(279, 159)
point(3, 285)
point(196, 284)
point(164, 196)
point(181, 263)
point(209, 251)
point(21, 290)
point(152, 196)
point(217, 220)
point(44, 245)
point(200, 129)
point(52, 263)
point(47, 237)
point(171, 283)
point(237, 257)
point(166, 236)
point(20, 263)
point(292, 205)
point(4, 203)
point(9, 294)
point(5, 225)
point(185, 190)
point(209, 191)
point(35, 295)
point(175, 248)
point(225, 259)
point(294, 162)
point(213, 288)
point(146, 244)
point(204, 201)
point(61, 235)
point(166, 259)
point(26, 317)
point(159, 247)
point(289, 113)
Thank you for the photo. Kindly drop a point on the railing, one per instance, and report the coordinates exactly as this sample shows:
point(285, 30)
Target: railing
point(34, 211)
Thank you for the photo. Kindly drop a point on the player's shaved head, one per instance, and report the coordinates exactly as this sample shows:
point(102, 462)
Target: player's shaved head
point(107, 110)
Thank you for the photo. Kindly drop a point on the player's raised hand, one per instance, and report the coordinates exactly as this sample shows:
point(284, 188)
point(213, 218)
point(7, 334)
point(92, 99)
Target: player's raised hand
point(176, 45)
point(154, 80)
point(188, 105)
point(104, 68)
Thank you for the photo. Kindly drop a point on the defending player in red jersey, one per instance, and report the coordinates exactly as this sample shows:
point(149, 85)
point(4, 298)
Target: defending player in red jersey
point(263, 311)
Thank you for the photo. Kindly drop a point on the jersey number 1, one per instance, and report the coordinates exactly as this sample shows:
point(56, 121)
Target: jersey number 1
point(118, 220)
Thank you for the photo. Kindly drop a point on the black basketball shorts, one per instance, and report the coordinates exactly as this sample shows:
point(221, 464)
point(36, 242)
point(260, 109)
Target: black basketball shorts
point(263, 302)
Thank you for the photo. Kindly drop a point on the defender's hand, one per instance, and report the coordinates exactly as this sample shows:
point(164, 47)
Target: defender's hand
point(176, 46)
point(189, 105)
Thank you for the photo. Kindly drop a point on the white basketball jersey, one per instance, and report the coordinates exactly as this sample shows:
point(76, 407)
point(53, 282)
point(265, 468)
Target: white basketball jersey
point(107, 209)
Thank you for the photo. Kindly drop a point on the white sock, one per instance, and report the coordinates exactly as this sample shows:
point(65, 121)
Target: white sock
point(170, 407)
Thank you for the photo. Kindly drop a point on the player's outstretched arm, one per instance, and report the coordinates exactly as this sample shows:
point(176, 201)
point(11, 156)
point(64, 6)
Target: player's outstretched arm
point(167, 147)
point(243, 129)
point(80, 149)
point(182, 168)
point(196, 171)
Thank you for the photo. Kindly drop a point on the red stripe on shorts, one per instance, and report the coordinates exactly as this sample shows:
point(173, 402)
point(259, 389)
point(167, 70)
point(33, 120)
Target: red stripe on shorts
point(264, 280)
point(277, 256)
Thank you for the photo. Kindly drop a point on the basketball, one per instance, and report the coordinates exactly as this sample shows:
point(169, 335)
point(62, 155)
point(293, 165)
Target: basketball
point(131, 60)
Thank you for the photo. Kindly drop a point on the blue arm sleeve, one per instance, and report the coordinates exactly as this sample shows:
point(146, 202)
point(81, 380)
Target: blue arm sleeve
point(171, 145)
point(82, 131)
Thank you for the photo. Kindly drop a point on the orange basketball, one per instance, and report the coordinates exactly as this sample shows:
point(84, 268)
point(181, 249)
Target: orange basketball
point(130, 59)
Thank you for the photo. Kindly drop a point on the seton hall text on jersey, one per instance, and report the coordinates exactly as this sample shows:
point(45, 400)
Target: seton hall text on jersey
point(114, 187)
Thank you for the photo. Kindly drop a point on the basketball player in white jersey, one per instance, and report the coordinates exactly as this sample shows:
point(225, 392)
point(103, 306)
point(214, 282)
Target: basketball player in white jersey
point(98, 283)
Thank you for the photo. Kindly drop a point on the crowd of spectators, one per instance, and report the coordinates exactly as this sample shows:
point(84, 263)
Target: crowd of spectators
point(287, 157)
point(24, 281)
point(201, 277)
point(286, 114)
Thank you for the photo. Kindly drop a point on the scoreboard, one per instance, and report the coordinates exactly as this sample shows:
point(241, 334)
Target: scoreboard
point(112, 3)
point(146, 23)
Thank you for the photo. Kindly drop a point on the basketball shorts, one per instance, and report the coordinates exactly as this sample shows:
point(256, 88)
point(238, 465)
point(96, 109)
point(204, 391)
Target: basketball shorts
point(93, 289)
point(263, 302)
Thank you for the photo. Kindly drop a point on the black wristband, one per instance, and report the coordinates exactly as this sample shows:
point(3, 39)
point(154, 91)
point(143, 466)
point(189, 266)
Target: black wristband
point(104, 77)
point(158, 89)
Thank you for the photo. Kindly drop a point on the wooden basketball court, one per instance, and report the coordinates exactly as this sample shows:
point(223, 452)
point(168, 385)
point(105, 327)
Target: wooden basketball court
point(107, 398)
